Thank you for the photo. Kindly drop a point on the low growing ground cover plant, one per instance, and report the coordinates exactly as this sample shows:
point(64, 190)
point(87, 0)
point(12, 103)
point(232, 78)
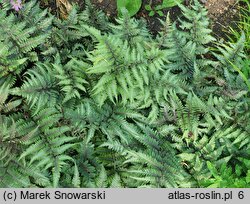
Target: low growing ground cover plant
point(132, 6)
point(89, 103)
point(158, 8)
point(236, 33)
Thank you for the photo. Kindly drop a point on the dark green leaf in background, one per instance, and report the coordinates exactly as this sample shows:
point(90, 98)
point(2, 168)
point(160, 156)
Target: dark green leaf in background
point(133, 6)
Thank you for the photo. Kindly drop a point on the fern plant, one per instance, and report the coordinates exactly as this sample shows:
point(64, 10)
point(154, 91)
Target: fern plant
point(225, 177)
point(85, 102)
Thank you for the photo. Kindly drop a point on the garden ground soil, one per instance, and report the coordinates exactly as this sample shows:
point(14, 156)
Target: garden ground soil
point(223, 13)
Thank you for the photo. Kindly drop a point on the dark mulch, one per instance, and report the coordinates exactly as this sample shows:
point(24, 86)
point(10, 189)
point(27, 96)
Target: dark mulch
point(223, 14)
